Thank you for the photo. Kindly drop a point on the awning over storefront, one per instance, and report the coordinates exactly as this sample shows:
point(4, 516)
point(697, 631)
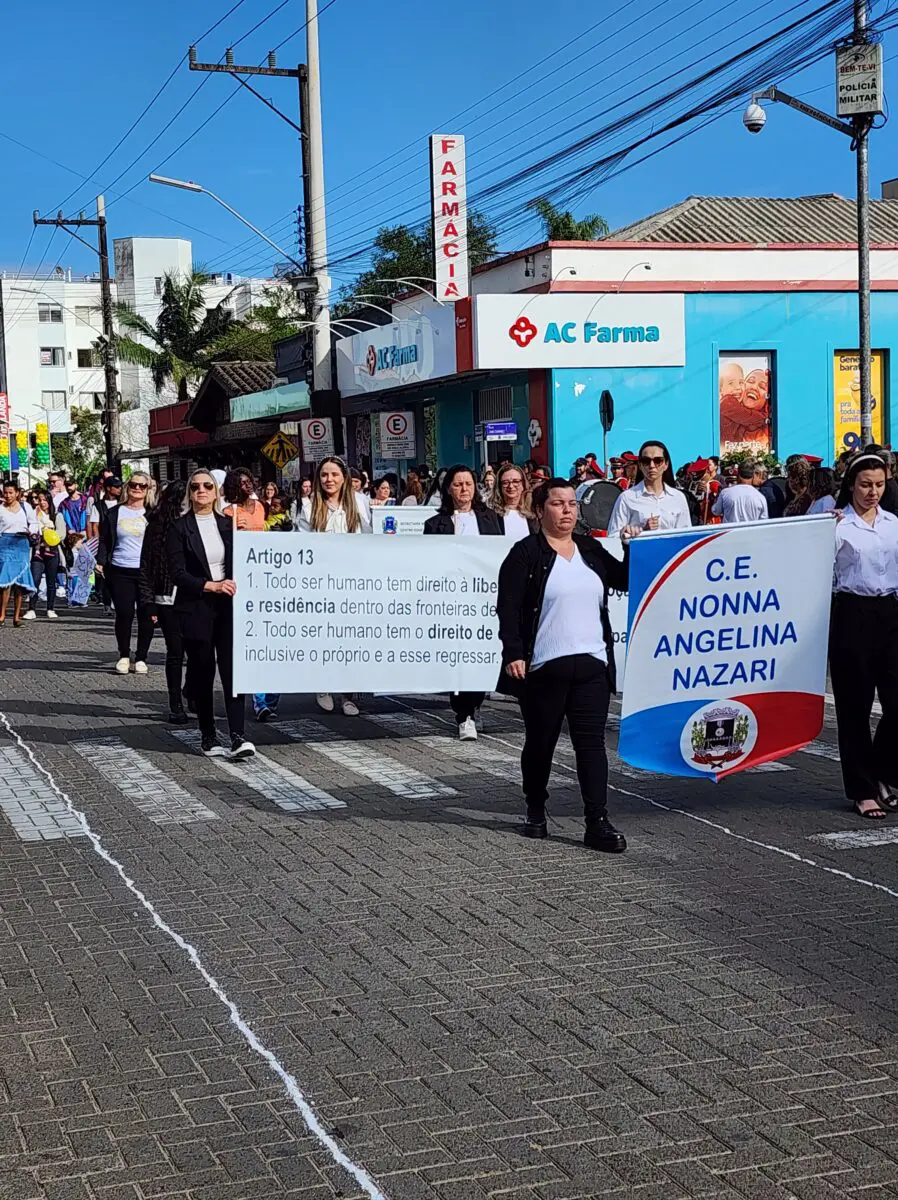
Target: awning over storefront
point(273, 402)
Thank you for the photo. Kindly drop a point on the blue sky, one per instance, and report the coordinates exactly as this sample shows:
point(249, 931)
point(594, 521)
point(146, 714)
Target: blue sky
point(392, 74)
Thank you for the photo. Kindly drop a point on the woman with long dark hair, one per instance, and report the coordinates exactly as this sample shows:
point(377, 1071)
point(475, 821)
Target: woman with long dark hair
point(122, 532)
point(463, 513)
point(863, 638)
point(654, 501)
point(18, 525)
point(334, 507)
point(200, 550)
point(243, 507)
point(558, 654)
point(45, 561)
point(157, 591)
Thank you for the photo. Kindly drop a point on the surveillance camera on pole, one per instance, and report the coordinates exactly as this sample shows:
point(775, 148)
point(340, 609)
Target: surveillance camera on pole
point(754, 118)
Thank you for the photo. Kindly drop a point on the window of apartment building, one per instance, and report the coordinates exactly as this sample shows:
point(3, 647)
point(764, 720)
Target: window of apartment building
point(83, 314)
point(52, 356)
point(88, 358)
point(91, 400)
point(49, 312)
point(53, 400)
point(158, 285)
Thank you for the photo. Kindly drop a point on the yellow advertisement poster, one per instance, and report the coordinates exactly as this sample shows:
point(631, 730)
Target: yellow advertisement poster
point(847, 398)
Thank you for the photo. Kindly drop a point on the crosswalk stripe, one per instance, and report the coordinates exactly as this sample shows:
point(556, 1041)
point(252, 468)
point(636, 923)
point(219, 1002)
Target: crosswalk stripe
point(854, 839)
point(822, 750)
point(290, 792)
point(150, 790)
point(362, 759)
point(31, 808)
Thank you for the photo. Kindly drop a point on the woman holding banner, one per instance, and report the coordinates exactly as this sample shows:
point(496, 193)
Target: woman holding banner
point(863, 638)
point(200, 550)
point(511, 499)
point(334, 507)
point(558, 654)
point(655, 501)
point(463, 513)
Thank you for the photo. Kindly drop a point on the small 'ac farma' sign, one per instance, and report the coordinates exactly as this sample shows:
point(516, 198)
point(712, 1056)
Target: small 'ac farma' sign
point(450, 216)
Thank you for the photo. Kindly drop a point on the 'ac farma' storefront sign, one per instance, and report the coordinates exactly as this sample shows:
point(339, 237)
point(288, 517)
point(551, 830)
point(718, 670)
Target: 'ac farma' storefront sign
point(582, 330)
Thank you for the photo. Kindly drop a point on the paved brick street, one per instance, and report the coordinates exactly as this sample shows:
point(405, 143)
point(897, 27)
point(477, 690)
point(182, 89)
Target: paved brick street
point(471, 1014)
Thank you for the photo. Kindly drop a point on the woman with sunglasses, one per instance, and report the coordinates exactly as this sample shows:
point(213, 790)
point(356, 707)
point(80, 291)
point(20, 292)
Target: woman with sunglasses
point(157, 592)
point(118, 561)
point(200, 551)
point(654, 501)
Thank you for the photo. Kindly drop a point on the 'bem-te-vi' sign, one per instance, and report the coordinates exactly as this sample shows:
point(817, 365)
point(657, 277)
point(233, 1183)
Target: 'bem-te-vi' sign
point(579, 330)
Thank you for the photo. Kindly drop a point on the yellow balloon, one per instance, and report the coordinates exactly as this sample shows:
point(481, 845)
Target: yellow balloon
point(51, 537)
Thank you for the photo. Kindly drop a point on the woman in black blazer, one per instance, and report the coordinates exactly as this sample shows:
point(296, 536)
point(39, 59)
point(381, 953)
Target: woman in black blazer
point(200, 549)
point(463, 513)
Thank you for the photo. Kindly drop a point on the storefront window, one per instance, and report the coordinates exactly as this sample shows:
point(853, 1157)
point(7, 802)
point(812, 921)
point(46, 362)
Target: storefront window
point(847, 398)
point(745, 390)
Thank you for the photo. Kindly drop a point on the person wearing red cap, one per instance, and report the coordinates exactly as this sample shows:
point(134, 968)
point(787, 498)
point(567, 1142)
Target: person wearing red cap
point(654, 502)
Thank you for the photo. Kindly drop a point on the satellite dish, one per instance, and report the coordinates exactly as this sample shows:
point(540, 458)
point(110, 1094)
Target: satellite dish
point(597, 502)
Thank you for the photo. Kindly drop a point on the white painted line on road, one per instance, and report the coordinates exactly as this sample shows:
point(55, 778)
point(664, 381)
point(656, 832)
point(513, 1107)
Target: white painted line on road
point(829, 699)
point(291, 793)
point(739, 837)
point(291, 1085)
point(138, 779)
point(362, 759)
point(856, 839)
point(30, 807)
point(822, 750)
point(768, 768)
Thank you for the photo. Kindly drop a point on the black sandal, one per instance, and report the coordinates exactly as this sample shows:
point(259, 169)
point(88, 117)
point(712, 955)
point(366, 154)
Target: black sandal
point(870, 814)
point(887, 799)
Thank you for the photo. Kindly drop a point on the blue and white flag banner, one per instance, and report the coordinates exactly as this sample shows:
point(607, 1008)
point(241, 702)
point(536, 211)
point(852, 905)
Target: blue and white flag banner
point(727, 645)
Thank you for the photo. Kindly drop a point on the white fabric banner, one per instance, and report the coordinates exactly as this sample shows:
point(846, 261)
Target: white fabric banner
point(343, 613)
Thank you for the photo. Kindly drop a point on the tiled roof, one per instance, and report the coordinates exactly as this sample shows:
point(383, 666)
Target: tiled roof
point(762, 219)
point(241, 378)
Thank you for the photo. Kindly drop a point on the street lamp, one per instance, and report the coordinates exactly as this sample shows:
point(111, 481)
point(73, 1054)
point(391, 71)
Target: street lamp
point(187, 185)
point(754, 119)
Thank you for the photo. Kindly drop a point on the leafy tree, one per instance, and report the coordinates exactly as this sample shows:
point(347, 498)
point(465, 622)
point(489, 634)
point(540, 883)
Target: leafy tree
point(562, 226)
point(82, 452)
point(176, 348)
point(402, 252)
point(279, 315)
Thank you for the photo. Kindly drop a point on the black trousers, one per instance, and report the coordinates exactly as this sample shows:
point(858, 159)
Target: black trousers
point(863, 661)
point(575, 687)
point(465, 704)
point(174, 655)
point(204, 653)
point(44, 568)
point(123, 585)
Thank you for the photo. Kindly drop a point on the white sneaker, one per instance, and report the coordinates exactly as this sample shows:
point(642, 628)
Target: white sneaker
point(30, 615)
point(467, 730)
point(350, 708)
point(123, 666)
point(140, 668)
point(325, 701)
point(51, 616)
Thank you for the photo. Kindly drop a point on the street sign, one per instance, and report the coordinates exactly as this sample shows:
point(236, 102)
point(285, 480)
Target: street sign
point(859, 91)
point(317, 438)
point(280, 449)
point(500, 431)
point(397, 435)
point(606, 410)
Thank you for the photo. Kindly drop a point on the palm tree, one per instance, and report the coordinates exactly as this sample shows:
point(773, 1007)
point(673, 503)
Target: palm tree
point(562, 226)
point(178, 347)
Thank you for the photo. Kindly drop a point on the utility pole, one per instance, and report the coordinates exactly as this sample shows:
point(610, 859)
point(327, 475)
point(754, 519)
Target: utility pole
point(862, 125)
point(309, 129)
point(113, 422)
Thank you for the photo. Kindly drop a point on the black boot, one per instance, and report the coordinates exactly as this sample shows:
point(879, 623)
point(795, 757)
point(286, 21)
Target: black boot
point(535, 824)
point(601, 835)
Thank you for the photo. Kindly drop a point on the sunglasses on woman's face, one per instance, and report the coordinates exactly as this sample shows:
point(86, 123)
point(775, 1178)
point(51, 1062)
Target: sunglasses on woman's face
point(652, 462)
point(202, 487)
point(138, 487)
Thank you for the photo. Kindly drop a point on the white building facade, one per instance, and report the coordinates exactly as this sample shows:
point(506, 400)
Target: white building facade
point(50, 323)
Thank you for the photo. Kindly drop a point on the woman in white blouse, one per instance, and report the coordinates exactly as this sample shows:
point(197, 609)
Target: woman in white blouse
point(863, 638)
point(333, 507)
point(18, 525)
point(511, 499)
point(654, 502)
